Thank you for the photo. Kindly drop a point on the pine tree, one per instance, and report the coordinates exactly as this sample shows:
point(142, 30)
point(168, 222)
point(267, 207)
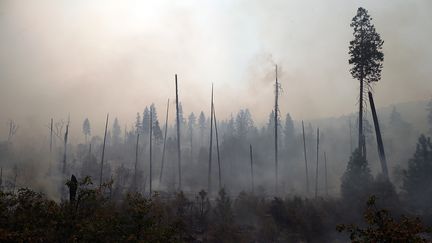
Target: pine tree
point(366, 59)
point(429, 116)
point(202, 125)
point(417, 178)
point(116, 132)
point(86, 129)
point(138, 125)
point(357, 178)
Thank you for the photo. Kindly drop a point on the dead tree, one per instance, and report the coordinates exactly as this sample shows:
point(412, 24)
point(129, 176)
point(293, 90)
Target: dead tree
point(136, 163)
point(251, 166)
point(50, 148)
point(103, 152)
point(276, 112)
point(317, 159)
point(378, 137)
point(211, 143)
point(350, 132)
point(65, 150)
point(178, 135)
point(325, 171)
point(305, 158)
point(150, 148)
point(164, 144)
point(217, 149)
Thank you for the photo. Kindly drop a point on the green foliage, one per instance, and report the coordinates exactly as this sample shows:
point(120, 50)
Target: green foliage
point(382, 227)
point(417, 179)
point(365, 50)
point(357, 178)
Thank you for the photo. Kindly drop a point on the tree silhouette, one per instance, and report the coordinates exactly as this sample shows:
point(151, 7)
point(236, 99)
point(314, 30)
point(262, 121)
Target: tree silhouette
point(86, 129)
point(417, 178)
point(366, 58)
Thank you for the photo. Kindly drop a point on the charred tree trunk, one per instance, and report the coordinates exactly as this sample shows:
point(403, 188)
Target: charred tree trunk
point(50, 148)
point(378, 137)
point(360, 120)
point(136, 163)
point(103, 152)
point(211, 144)
point(251, 167)
point(164, 144)
point(317, 159)
point(350, 133)
point(178, 135)
point(150, 148)
point(65, 150)
point(305, 158)
point(276, 110)
point(217, 149)
point(325, 171)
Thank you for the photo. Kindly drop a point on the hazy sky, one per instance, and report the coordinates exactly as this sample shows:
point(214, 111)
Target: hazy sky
point(86, 58)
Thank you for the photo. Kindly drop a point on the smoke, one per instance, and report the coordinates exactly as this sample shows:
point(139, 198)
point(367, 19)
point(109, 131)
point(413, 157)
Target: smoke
point(87, 58)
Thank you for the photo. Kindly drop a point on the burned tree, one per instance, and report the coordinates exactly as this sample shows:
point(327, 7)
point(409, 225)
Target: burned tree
point(103, 152)
point(150, 147)
point(65, 149)
point(305, 158)
point(136, 162)
point(380, 144)
point(251, 166)
point(317, 164)
point(366, 59)
point(164, 144)
point(211, 143)
point(178, 134)
point(276, 117)
point(217, 149)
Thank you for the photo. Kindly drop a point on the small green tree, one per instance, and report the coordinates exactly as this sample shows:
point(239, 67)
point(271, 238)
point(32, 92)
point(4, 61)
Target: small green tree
point(357, 178)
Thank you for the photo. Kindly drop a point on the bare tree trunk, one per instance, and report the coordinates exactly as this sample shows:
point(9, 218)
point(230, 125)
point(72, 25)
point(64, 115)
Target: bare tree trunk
point(317, 158)
point(164, 145)
point(378, 137)
point(360, 132)
point(136, 164)
point(151, 132)
point(50, 148)
point(325, 169)
point(276, 110)
point(350, 133)
point(65, 150)
point(178, 135)
point(211, 143)
point(217, 149)
point(251, 165)
point(305, 158)
point(103, 152)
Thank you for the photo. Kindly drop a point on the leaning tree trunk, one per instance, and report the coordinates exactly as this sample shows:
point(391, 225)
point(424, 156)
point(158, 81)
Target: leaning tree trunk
point(378, 137)
point(164, 145)
point(217, 149)
point(103, 152)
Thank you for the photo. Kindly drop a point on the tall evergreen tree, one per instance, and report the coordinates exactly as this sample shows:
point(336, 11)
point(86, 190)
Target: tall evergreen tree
point(86, 129)
point(116, 132)
point(429, 116)
point(138, 125)
point(417, 178)
point(145, 125)
point(289, 131)
point(202, 125)
point(366, 59)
